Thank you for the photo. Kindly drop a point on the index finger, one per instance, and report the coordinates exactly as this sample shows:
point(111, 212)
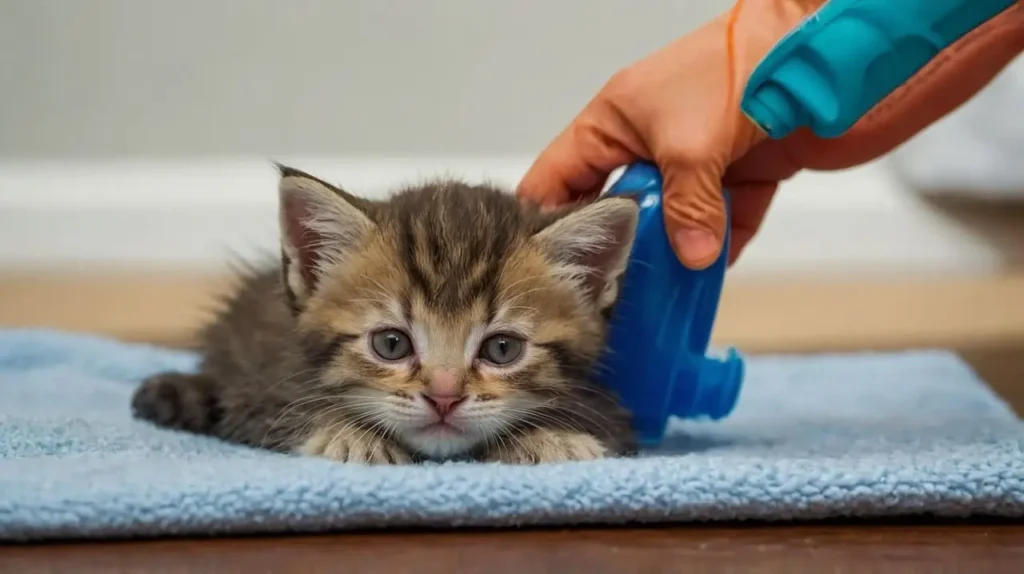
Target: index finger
point(576, 164)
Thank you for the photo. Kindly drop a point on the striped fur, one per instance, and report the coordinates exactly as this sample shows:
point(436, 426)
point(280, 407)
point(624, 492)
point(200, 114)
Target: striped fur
point(288, 363)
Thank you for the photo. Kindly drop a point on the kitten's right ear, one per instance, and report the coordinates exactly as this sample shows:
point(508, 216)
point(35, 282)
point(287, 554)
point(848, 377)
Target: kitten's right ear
point(321, 226)
point(591, 245)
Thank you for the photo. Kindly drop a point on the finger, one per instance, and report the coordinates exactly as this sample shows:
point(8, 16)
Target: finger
point(578, 162)
point(749, 205)
point(770, 160)
point(694, 211)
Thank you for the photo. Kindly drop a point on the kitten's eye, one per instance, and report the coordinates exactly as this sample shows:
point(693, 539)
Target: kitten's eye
point(391, 344)
point(501, 349)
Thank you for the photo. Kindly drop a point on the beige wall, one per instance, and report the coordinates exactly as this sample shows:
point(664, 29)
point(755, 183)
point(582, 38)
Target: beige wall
point(272, 77)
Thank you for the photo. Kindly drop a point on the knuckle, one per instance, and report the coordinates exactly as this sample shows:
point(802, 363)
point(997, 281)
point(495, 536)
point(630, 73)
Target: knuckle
point(690, 211)
point(623, 79)
point(622, 88)
point(692, 151)
point(695, 204)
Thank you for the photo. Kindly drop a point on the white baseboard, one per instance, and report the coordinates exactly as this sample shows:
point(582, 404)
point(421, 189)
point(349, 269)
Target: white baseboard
point(195, 214)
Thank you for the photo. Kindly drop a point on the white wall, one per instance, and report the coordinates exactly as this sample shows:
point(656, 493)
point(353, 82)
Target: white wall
point(139, 132)
point(331, 77)
point(197, 213)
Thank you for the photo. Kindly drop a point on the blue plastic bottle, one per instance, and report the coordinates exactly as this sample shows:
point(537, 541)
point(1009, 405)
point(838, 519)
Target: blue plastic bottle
point(825, 75)
point(662, 324)
point(841, 61)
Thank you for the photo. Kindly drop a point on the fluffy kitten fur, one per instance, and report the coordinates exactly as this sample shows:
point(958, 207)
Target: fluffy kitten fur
point(292, 362)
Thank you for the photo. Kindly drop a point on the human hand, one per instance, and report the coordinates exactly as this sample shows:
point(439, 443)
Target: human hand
point(680, 108)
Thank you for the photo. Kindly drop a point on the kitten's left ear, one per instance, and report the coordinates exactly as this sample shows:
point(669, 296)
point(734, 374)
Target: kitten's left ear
point(321, 226)
point(591, 245)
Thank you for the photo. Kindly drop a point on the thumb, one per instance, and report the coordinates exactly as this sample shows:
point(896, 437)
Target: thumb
point(694, 211)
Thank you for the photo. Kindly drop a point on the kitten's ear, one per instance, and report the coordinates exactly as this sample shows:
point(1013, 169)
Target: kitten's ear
point(591, 245)
point(321, 226)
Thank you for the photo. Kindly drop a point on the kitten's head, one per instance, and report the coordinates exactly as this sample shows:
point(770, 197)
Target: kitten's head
point(449, 314)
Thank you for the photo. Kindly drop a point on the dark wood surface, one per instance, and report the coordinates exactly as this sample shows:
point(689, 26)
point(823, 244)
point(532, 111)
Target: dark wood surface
point(973, 549)
point(918, 546)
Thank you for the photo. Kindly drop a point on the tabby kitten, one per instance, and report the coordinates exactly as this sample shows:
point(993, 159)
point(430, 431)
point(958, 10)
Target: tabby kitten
point(448, 321)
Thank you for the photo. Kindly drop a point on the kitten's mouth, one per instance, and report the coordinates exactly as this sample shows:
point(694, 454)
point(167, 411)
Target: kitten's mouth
point(440, 427)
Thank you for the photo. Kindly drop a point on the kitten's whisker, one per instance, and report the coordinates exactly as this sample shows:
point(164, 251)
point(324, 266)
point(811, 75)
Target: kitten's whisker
point(519, 296)
point(382, 434)
point(519, 443)
point(642, 263)
point(530, 310)
point(306, 400)
point(552, 420)
point(592, 388)
point(341, 412)
point(571, 407)
point(507, 288)
point(356, 403)
point(374, 301)
point(355, 416)
point(599, 391)
point(345, 425)
point(597, 365)
point(500, 436)
point(605, 421)
point(303, 400)
point(527, 415)
point(292, 377)
point(558, 417)
point(369, 431)
point(249, 410)
point(387, 293)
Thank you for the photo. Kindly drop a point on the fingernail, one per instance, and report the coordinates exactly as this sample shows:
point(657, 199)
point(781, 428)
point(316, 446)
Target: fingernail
point(696, 247)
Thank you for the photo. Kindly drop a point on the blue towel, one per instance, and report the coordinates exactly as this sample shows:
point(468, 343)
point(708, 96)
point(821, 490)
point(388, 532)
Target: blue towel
point(813, 437)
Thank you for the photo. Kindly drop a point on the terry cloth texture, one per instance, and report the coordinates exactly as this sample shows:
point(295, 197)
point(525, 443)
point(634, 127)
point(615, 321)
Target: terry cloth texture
point(862, 435)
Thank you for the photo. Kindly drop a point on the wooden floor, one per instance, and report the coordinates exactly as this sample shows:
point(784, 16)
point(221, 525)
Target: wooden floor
point(982, 319)
point(932, 549)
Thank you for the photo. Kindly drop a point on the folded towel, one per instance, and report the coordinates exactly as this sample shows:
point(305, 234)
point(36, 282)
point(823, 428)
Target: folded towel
point(813, 437)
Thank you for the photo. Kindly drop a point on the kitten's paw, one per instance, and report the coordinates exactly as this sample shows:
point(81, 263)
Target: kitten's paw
point(178, 400)
point(540, 446)
point(355, 446)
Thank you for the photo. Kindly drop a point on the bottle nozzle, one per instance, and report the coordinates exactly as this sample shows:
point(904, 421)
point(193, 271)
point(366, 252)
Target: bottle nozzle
point(772, 110)
point(716, 391)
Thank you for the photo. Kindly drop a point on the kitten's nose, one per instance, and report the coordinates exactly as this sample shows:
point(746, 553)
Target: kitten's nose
point(443, 392)
point(443, 382)
point(443, 404)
